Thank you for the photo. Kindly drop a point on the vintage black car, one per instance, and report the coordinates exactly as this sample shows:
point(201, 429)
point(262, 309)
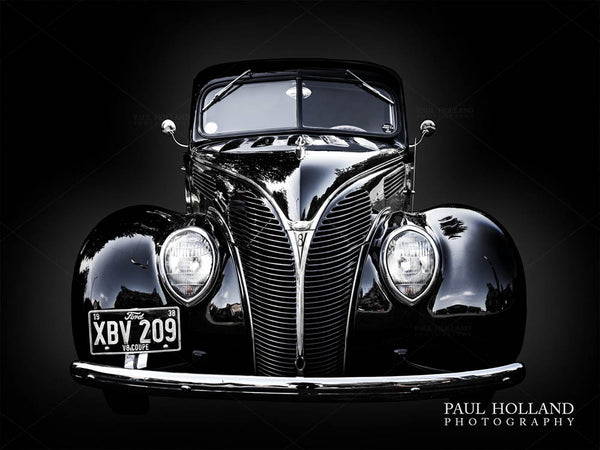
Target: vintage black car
point(299, 269)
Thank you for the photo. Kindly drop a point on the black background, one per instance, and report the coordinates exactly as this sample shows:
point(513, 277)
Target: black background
point(512, 87)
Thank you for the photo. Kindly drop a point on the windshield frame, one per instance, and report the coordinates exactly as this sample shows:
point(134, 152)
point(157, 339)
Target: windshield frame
point(198, 134)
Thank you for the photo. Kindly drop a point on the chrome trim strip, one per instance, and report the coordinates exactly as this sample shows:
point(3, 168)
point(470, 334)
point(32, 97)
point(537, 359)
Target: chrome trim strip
point(300, 244)
point(354, 388)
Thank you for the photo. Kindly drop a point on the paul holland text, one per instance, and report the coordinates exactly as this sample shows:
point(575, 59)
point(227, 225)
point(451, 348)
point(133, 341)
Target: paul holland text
point(511, 414)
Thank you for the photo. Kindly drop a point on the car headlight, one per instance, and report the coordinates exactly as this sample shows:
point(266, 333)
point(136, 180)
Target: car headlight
point(410, 261)
point(187, 263)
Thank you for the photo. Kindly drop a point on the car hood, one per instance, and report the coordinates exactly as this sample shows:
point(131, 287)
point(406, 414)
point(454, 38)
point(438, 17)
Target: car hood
point(300, 182)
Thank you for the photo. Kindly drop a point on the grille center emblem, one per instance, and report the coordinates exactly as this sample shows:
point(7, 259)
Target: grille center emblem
point(300, 237)
point(301, 244)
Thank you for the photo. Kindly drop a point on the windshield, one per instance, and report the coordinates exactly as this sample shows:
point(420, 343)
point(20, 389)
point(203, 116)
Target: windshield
point(257, 106)
point(345, 106)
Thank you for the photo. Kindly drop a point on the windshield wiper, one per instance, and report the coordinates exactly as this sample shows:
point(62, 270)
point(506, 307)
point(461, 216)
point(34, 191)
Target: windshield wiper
point(370, 88)
point(225, 90)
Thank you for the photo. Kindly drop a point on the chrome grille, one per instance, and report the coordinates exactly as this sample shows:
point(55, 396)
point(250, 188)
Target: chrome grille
point(393, 183)
point(268, 263)
point(205, 183)
point(332, 259)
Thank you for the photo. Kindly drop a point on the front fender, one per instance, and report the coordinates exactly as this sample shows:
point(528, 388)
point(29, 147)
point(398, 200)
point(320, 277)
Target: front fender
point(482, 271)
point(474, 314)
point(117, 268)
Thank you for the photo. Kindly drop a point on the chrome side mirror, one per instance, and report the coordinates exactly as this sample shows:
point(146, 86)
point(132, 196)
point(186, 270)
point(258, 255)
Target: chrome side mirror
point(168, 127)
point(427, 127)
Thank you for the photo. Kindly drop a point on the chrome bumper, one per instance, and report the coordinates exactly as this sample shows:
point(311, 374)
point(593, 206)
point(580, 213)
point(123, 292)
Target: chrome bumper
point(350, 388)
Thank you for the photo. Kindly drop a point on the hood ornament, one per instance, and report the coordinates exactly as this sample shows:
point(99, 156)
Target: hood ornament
point(301, 144)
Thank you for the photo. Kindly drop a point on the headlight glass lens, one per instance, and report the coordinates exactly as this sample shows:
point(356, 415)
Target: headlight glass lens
point(411, 262)
point(188, 262)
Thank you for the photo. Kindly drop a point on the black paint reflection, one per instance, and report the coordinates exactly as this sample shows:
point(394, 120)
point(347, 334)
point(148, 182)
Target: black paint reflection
point(498, 298)
point(226, 306)
point(370, 297)
point(229, 313)
point(128, 298)
point(373, 301)
point(452, 227)
point(113, 280)
point(149, 222)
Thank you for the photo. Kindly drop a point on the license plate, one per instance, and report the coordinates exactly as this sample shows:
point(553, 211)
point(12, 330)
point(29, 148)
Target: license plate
point(128, 331)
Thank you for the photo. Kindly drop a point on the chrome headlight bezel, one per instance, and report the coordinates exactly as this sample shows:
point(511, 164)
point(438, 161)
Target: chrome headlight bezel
point(385, 269)
point(188, 301)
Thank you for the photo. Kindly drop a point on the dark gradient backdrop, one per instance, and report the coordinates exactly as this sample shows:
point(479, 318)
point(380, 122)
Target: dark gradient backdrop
point(512, 87)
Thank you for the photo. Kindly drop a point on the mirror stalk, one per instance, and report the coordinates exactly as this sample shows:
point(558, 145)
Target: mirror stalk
point(427, 129)
point(168, 127)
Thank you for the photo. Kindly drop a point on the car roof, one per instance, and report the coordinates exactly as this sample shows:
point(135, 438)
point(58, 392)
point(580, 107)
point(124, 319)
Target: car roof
point(371, 71)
